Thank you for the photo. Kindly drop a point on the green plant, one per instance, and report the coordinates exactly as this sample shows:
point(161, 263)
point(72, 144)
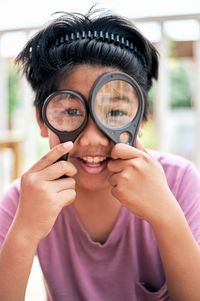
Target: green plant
point(13, 91)
point(180, 84)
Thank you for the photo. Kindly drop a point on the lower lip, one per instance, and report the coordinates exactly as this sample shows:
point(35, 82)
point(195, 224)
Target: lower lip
point(93, 168)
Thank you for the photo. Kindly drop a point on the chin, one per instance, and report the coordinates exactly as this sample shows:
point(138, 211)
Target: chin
point(91, 184)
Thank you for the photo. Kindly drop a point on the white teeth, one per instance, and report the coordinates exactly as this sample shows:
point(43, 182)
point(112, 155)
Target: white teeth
point(94, 159)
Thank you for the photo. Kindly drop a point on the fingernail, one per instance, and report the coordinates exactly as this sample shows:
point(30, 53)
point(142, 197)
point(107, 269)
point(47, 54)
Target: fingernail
point(67, 144)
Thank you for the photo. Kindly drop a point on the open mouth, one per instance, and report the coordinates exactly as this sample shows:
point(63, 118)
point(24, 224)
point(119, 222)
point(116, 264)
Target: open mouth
point(94, 160)
point(94, 164)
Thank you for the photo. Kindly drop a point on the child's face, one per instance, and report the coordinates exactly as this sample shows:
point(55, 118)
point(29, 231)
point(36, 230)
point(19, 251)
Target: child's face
point(92, 148)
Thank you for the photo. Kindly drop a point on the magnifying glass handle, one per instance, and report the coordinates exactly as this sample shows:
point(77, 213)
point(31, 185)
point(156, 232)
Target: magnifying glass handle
point(64, 157)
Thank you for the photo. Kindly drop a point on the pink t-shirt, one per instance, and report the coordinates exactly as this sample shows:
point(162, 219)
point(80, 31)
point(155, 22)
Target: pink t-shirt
point(127, 266)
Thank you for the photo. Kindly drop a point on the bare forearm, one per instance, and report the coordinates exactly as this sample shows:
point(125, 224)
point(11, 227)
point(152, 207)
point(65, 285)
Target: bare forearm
point(16, 258)
point(180, 256)
point(43, 194)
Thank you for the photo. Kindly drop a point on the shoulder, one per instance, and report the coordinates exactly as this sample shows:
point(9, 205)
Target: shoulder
point(169, 160)
point(8, 206)
point(10, 198)
point(175, 166)
point(182, 174)
point(184, 181)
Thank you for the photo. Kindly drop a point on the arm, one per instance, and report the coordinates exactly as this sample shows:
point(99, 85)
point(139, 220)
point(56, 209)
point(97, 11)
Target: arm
point(42, 196)
point(133, 169)
point(16, 258)
point(180, 255)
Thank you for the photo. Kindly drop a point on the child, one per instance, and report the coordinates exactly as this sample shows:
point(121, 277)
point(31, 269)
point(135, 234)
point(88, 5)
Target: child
point(112, 222)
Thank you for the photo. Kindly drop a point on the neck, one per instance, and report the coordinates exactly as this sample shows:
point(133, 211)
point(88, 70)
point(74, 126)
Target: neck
point(97, 211)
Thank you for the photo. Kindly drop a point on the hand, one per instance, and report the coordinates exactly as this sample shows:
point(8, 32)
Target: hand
point(139, 182)
point(43, 193)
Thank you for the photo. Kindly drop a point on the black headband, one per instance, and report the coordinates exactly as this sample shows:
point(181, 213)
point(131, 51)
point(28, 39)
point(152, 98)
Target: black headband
point(104, 37)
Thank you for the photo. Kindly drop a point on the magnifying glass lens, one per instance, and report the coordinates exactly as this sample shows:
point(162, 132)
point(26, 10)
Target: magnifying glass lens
point(116, 104)
point(66, 112)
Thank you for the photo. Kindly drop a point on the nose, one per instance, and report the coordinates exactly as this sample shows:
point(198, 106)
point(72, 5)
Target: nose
point(92, 136)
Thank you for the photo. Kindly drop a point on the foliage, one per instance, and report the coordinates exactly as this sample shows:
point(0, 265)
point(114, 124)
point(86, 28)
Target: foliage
point(180, 84)
point(13, 90)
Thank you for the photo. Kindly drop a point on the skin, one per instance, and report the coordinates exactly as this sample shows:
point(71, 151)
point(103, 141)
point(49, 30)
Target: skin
point(98, 191)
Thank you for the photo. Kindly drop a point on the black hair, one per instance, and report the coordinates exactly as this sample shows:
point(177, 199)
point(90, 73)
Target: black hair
point(71, 38)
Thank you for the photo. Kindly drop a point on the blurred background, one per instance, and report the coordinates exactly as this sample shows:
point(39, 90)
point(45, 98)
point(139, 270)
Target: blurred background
point(174, 123)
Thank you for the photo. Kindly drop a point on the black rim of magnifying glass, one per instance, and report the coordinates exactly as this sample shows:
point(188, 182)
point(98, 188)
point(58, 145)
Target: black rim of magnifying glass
point(64, 136)
point(132, 127)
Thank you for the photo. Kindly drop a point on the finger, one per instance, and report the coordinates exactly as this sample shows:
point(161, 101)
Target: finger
point(62, 184)
point(113, 180)
point(52, 156)
point(57, 170)
point(116, 165)
point(125, 151)
point(119, 165)
point(66, 197)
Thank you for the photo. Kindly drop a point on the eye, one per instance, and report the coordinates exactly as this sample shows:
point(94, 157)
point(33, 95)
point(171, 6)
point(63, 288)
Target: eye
point(116, 113)
point(72, 112)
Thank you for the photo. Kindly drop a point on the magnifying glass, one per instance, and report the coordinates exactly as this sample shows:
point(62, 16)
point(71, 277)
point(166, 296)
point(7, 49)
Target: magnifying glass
point(65, 113)
point(115, 104)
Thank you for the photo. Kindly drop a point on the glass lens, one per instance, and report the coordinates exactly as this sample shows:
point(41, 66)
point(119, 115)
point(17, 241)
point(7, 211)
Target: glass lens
point(66, 112)
point(116, 104)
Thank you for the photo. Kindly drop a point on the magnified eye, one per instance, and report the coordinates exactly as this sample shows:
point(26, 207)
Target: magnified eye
point(116, 113)
point(73, 112)
point(116, 118)
point(66, 112)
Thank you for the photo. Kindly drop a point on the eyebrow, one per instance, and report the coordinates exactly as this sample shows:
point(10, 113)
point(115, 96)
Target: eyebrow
point(120, 98)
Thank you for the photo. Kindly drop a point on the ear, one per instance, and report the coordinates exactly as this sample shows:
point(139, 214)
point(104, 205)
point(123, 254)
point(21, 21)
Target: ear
point(41, 124)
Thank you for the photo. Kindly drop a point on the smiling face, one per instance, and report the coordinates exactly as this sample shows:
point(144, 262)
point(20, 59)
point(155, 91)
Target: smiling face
point(91, 151)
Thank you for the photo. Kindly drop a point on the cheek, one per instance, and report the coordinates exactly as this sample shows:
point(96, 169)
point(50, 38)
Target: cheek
point(53, 139)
